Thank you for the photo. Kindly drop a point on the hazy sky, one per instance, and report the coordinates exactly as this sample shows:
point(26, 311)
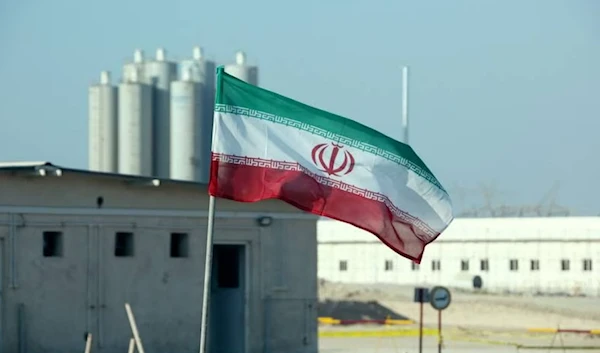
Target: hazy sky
point(505, 93)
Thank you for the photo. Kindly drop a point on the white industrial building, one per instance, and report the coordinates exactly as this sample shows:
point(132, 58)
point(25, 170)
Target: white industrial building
point(157, 121)
point(75, 246)
point(530, 255)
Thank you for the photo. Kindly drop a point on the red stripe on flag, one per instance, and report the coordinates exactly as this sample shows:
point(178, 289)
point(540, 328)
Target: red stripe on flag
point(245, 183)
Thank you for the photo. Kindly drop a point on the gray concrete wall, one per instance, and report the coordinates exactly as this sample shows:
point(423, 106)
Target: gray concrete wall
point(85, 289)
point(77, 190)
point(291, 301)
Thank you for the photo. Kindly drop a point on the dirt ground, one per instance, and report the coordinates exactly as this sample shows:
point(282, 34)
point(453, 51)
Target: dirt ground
point(410, 345)
point(478, 311)
point(500, 314)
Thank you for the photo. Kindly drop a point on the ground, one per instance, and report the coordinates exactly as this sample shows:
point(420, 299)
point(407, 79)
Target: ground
point(410, 345)
point(474, 321)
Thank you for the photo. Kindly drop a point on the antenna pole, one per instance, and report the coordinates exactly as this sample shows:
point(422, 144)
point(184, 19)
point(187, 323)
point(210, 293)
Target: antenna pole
point(405, 103)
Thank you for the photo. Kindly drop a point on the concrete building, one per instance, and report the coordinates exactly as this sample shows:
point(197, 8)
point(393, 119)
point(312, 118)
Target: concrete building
point(75, 246)
point(530, 255)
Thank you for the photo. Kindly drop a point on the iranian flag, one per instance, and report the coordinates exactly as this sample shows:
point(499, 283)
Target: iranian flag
point(267, 146)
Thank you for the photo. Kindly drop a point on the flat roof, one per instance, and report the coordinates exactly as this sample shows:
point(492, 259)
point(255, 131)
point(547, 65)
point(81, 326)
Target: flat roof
point(182, 203)
point(483, 229)
point(47, 168)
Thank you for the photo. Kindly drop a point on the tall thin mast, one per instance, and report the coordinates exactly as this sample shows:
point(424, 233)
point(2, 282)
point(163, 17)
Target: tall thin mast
point(405, 103)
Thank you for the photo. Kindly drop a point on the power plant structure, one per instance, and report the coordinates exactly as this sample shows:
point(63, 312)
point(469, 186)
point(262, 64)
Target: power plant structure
point(157, 121)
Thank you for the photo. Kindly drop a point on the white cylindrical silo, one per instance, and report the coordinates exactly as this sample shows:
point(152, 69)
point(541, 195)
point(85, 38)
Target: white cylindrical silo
point(202, 71)
point(186, 130)
point(135, 129)
point(242, 70)
point(160, 73)
point(134, 71)
point(199, 68)
point(103, 113)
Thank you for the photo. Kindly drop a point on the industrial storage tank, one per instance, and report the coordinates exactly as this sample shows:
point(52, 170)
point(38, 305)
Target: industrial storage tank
point(187, 132)
point(202, 71)
point(160, 73)
point(135, 126)
point(103, 113)
point(243, 71)
point(199, 68)
point(135, 68)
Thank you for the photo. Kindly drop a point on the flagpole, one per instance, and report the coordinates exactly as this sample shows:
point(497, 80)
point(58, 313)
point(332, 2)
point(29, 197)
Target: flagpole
point(207, 272)
point(405, 103)
point(210, 227)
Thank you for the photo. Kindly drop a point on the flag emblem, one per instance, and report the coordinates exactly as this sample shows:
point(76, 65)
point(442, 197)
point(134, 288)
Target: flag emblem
point(337, 162)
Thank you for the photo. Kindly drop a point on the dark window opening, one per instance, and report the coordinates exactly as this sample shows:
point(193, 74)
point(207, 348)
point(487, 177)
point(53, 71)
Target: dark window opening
point(435, 265)
point(179, 245)
point(565, 265)
point(227, 259)
point(514, 265)
point(464, 265)
point(587, 264)
point(389, 265)
point(414, 266)
point(343, 265)
point(53, 244)
point(535, 265)
point(484, 265)
point(123, 244)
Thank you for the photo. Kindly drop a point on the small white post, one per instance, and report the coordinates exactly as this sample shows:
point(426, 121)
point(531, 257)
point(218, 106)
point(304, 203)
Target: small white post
point(134, 329)
point(88, 343)
point(131, 346)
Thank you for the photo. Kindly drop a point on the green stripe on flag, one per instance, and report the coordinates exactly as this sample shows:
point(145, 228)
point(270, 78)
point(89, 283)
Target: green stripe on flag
point(240, 98)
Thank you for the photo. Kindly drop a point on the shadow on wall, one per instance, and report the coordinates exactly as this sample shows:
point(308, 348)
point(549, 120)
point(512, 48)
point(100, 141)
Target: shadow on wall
point(356, 310)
